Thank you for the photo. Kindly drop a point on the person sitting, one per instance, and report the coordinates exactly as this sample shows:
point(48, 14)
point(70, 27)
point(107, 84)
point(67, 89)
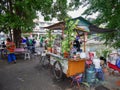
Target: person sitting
point(27, 43)
point(98, 68)
point(33, 45)
point(3, 45)
point(4, 48)
point(103, 62)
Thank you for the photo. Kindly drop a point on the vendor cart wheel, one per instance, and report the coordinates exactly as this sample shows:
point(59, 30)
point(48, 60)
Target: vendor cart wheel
point(42, 58)
point(57, 70)
point(45, 61)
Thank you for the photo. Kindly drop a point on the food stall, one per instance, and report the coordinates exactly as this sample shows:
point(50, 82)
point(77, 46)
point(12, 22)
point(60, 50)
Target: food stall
point(61, 60)
point(70, 64)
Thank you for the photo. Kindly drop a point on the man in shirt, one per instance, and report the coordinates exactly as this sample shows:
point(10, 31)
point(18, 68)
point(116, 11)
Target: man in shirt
point(11, 48)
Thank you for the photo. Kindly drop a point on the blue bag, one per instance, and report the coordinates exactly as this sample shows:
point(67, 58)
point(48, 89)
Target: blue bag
point(118, 62)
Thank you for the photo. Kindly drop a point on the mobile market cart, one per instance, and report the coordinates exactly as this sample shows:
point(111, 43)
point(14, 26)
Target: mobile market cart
point(63, 65)
point(70, 66)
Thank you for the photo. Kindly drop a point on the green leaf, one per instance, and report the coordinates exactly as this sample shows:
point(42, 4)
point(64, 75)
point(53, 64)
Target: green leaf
point(109, 15)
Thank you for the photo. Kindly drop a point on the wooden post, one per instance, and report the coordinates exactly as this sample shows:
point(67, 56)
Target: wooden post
point(50, 37)
point(85, 39)
point(63, 27)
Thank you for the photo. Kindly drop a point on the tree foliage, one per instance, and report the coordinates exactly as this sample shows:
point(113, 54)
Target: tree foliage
point(109, 14)
point(18, 15)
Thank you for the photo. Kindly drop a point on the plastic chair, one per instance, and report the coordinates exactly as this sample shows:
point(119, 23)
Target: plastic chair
point(27, 55)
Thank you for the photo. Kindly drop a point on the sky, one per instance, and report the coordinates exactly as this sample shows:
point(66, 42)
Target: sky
point(73, 14)
point(77, 13)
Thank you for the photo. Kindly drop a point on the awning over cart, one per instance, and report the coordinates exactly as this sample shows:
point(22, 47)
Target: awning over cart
point(83, 26)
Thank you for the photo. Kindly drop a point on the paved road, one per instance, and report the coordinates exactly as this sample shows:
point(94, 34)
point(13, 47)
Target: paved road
point(28, 75)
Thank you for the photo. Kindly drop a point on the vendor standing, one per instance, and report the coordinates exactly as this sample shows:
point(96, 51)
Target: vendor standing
point(41, 41)
point(11, 48)
point(77, 44)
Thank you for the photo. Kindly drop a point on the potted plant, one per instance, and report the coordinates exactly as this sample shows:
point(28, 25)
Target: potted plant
point(50, 40)
point(69, 36)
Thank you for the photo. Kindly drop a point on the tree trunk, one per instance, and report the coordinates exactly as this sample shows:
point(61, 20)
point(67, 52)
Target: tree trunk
point(10, 33)
point(16, 31)
point(17, 36)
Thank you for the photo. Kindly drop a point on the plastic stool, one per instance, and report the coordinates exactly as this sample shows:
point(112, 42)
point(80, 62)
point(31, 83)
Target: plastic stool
point(27, 55)
point(77, 79)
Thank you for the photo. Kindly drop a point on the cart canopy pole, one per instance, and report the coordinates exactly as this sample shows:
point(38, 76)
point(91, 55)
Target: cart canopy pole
point(85, 39)
point(63, 27)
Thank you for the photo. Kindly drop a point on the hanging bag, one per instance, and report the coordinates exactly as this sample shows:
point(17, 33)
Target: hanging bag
point(118, 62)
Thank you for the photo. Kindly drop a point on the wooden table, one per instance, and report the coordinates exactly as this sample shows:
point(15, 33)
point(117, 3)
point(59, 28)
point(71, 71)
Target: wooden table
point(20, 50)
